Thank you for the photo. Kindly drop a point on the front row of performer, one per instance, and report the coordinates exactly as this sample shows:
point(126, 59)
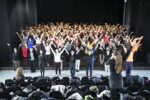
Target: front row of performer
point(35, 55)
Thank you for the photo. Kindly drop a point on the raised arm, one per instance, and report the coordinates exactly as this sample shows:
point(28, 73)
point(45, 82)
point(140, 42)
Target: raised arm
point(96, 42)
point(52, 50)
point(109, 61)
point(79, 50)
point(44, 43)
point(124, 48)
point(42, 35)
point(136, 41)
point(66, 51)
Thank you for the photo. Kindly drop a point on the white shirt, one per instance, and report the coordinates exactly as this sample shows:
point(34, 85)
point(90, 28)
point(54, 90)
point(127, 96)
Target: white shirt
point(47, 50)
point(38, 41)
point(57, 57)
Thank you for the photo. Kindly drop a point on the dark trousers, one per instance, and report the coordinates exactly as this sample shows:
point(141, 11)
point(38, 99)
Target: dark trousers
point(36, 64)
point(114, 94)
point(72, 69)
point(32, 66)
point(93, 61)
point(128, 66)
point(89, 68)
point(47, 59)
point(57, 67)
point(16, 64)
point(42, 70)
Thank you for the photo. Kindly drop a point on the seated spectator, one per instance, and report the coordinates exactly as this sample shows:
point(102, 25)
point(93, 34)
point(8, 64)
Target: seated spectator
point(19, 74)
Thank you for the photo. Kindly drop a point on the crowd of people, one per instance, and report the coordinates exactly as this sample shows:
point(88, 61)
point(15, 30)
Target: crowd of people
point(113, 46)
point(75, 41)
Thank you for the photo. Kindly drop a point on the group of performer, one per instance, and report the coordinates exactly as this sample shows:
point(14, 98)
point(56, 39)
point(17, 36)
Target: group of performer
point(40, 42)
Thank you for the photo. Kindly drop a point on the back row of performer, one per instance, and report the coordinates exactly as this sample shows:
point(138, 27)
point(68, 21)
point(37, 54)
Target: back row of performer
point(74, 41)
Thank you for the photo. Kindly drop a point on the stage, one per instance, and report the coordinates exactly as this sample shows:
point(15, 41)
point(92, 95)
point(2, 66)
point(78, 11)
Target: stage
point(9, 74)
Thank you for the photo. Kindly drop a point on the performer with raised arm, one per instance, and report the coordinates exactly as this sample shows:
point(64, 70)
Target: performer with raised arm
point(78, 58)
point(47, 47)
point(32, 58)
point(72, 59)
point(89, 54)
point(15, 57)
point(57, 59)
point(135, 44)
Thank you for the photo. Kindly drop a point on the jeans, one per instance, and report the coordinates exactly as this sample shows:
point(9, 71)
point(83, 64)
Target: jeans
point(89, 67)
point(72, 69)
point(128, 66)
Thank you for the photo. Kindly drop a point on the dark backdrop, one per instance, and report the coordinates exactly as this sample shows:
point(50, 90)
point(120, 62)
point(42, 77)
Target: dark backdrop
point(138, 18)
point(102, 11)
point(4, 33)
point(13, 15)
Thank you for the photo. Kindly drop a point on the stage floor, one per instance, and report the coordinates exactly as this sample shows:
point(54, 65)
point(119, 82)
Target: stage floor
point(9, 74)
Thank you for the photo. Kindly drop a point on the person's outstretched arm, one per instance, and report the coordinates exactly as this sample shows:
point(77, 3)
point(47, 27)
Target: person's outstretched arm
point(52, 50)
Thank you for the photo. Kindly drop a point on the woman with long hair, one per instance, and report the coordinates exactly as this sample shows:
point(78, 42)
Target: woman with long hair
point(115, 78)
point(19, 74)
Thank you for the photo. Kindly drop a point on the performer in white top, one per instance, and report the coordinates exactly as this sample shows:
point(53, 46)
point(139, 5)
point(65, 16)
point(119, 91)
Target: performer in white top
point(57, 59)
point(47, 47)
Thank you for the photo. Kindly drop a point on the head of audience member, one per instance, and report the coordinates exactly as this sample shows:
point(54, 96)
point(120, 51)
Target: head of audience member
point(19, 73)
point(94, 89)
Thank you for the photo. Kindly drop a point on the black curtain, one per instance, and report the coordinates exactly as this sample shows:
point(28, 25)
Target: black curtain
point(137, 17)
point(96, 11)
point(4, 34)
point(20, 14)
point(14, 14)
